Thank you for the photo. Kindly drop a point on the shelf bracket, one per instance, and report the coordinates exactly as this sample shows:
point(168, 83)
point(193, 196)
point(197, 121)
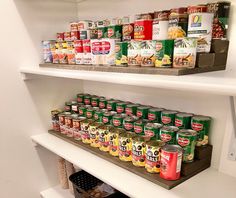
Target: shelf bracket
point(232, 147)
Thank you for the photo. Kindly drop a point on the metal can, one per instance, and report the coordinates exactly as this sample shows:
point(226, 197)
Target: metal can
point(160, 25)
point(62, 53)
point(128, 123)
point(134, 53)
point(68, 125)
point(171, 159)
point(154, 114)
point(178, 23)
point(197, 9)
point(79, 59)
point(143, 29)
point(168, 117)
point(107, 117)
point(84, 130)
point(131, 109)
point(55, 119)
point(47, 54)
point(201, 124)
point(114, 32)
point(75, 108)
point(153, 156)
point(142, 112)
point(94, 101)
point(152, 130)
point(117, 120)
point(82, 111)
point(87, 99)
point(168, 134)
point(102, 103)
point(85, 24)
point(60, 36)
point(77, 127)
point(103, 132)
point(120, 107)
point(67, 36)
point(121, 49)
point(127, 32)
point(74, 35)
point(98, 116)
point(90, 113)
point(102, 32)
point(73, 26)
point(139, 126)
point(125, 146)
point(183, 120)
point(94, 33)
point(186, 138)
point(70, 53)
point(87, 56)
point(84, 34)
point(94, 134)
point(68, 106)
point(114, 141)
point(61, 117)
point(111, 105)
point(164, 53)
point(148, 51)
point(139, 150)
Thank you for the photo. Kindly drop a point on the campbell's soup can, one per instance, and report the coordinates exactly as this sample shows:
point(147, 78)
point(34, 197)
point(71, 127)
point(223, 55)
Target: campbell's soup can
point(78, 44)
point(96, 51)
point(171, 159)
point(67, 36)
point(60, 37)
point(84, 25)
point(143, 29)
point(87, 57)
point(127, 32)
point(160, 25)
point(74, 35)
point(73, 26)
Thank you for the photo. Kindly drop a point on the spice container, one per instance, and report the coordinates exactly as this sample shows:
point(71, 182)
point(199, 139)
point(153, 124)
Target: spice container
point(125, 146)
point(114, 141)
point(160, 25)
point(168, 134)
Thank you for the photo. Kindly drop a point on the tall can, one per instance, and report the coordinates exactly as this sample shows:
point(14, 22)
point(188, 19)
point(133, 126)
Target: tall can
point(103, 132)
point(94, 134)
point(127, 32)
point(87, 57)
point(85, 130)
point(154, 114)
point(68, 125)
point(108, 51)
point(171, 159)
point(168, 134)
point(143, 29)
point(168, 117)
point(183, 120)
point(152, 130)
point(121, 49)
point(96, 52)
point(79, 52)
point(71, 53)
point(160, 25)
point(77, 127)
point(148, 51)
point(113, 136)
point(134, 53)
point(55, 119)
point(125, 146)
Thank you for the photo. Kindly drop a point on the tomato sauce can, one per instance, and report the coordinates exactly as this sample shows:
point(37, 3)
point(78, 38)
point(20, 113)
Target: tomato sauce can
point(171, 159)
point(117, 120)
point(142, 112)
point(60, 37)
point(154, 114)
point(127, 32)
point(55, 120)
point(125, 146)
point(168, 134)
point(120, 107)
point(148, 51)
point(168, 117)
point(139, 126)
point(113, 136)
point(94, 134)
point(85, 130)
point(143, 29)
point(183, 120)
point(153, 156)
point(134, 53)
point(103, 132)
point(131, 109)
point(77, 127)
point(152, 130)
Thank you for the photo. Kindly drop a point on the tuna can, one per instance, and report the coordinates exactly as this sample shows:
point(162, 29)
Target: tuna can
point(114, 141)
point(121, 49)
point(128, 123)
point(168, 117)
point(168, 134)
point(153, 156)
point(142, 112)
point(111, 105)
point(148, 50)
point(77, 127)
point(125, 146)
point(87, 99)
point(143, 29)
point(82, 111)
point(131, 109)
point(94, 134)
point(152, 130)
point(154, 114)
point(120, 107)
point(67, 36)
point(103, 132)
point(201, 124)
point(186, 138)
point(98, 116)
point(185, 52)
point(164, 53)
point(90, 113)
point(139, 150)
point(171, 159)
point(95, 101)
point(85, 130)
point(80, 98)
point(183, 120)
point(102, 103)
point(107, 117)
point(68, 125)
point(139, 126)
point(102, 32)
point(114, 32)
point(178, 23)
point(127, 32)
point(55, 119)
point(117, 120)
point(200, 27)
point(134, 53)
point(60, 37)
point(68, 106)
point(160, 25)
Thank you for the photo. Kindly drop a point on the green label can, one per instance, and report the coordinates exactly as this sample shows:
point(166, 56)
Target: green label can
point(87, 99)
point(168, 134)
point(120, 107)
point(183, 120)
point(102, 32)
point(114, 32)
point(95, 101)
point(121, 49)
point(131, 109)
point(80, 98)
point(139, 126)
point(152, 130)
point(111, 105)
point(90, 113)
point(68, 106)
point(98, 116)
point(82, 111)
point(186, 138)
point(168, 117)
point(201, 124)
point(117, 120)
point(103, 103)
point(164, 53)
point(107, 117)
point(128, 123)
point(142, 112)
point(154, 114)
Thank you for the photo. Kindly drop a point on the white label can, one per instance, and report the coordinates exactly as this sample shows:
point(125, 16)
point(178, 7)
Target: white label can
point(160, 30)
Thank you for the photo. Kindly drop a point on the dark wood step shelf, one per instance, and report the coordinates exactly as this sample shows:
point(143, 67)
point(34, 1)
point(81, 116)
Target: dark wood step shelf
point(188, 170)
point(136, 70)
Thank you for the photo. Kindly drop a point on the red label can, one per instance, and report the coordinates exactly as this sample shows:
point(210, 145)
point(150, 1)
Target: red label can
point(60, 37)
point(86, 46)
point(78, 44)
point(171, 159)
point(74, 35)
point(67, 36)
point(143, 29)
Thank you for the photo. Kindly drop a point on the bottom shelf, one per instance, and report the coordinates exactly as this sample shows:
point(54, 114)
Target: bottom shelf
point(56, 192)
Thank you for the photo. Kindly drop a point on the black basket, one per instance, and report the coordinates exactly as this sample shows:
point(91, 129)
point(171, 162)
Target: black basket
point(83, 181)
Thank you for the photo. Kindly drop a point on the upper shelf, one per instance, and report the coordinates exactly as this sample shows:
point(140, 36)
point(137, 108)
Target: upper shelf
point(220, 82)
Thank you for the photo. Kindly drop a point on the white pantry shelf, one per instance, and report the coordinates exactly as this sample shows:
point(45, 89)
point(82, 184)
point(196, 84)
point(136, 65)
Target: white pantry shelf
point(220, 82)
point(56, 192)
point(209, 183)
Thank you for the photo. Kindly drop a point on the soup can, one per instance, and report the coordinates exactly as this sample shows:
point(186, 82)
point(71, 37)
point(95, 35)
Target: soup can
point(85, 130)
point(103, 132)
point(94, 134)
point(125, 146)
point(68, 125)
point(143, 29)
point(61, 118)
point(168, 117)
point(168, 134)
point(77, 127)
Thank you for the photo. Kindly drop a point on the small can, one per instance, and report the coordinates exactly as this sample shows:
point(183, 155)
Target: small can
point(168, 117)
point(94, 101)
point(134, 53)
point(148, 51)
point(164, 53)
point(183, 120)
point(82, 111)
point(201, 124)
point(114, 32)
point(153, 156)
point(68, 106)
point(152, 130)
point(142, 112)
point(94, 134)
point(160, 25)
point(77, 127)
point(87, 99)
point(128, 123)
point(168, 134)
point(128, 32)
point(131, 109)
point(102, 103)
point(120, 107)
point(103, 132)
point(98, 116)
point(154, 114)
point(67, 36)
point(73, 26)
point(90, 113)
point(125, 146)
point(139, 150)
point(102, 32)
point(111, 105)
point(68, 125)
point(74, 35)
point(55, 119)
point(143, 29)
point(85, 130)
point(84, 34)
point(139, 126)
point(171, 159)
point(186, 138)
point(121, 49)
point(61, 117)
point(107, 117)
point(60, 37)
point(117, 120)
point(113, 136)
